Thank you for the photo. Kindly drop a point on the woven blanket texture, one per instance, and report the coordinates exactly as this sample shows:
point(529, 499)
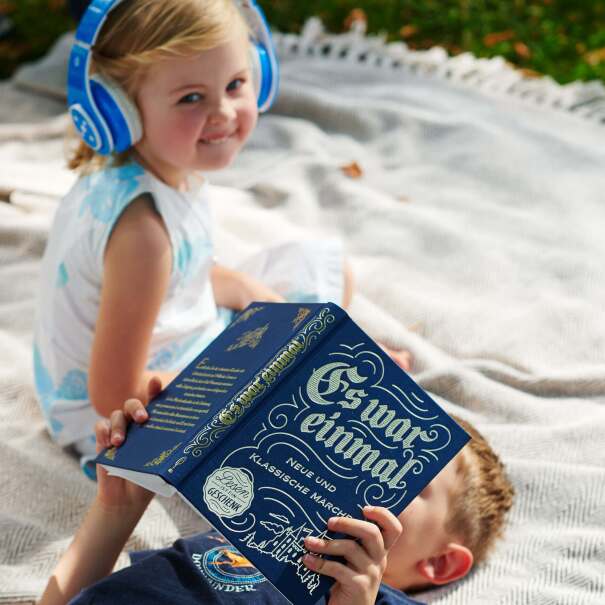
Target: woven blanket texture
point(473, 218)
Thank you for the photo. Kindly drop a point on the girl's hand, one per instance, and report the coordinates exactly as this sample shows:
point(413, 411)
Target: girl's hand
point(114, 492)
point(358, 581)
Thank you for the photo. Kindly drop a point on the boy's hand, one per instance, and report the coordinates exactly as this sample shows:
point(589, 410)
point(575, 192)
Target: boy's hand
point(115, 493)
point(358, 581)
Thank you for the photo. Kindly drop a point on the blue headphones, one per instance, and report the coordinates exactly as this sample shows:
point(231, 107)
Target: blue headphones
point(107, 120)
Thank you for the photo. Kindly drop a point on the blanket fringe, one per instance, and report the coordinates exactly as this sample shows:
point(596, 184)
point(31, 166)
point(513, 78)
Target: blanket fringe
point(493, 76)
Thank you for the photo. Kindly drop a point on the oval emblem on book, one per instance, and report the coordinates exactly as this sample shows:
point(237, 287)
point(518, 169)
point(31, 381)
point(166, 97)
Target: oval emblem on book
point(228, 491)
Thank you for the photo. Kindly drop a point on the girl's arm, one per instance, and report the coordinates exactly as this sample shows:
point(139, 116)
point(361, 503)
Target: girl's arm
point(136, 274)
point(236, 290)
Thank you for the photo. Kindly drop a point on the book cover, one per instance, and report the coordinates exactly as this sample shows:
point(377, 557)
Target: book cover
point(291, 415)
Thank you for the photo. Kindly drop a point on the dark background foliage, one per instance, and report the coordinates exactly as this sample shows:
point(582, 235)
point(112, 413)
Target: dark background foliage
point(561, 38)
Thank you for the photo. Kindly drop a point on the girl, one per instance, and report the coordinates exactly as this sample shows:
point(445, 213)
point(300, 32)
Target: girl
point(130, 288)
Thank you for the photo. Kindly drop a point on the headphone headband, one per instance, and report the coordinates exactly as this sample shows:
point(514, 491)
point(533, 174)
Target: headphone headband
point(92, 21)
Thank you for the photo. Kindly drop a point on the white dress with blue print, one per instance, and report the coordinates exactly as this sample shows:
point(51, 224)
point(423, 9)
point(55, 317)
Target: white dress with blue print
point(72, 275)
point(70, 289)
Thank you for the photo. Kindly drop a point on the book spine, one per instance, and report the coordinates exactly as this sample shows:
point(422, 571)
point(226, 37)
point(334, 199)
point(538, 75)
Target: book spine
point(256, 389)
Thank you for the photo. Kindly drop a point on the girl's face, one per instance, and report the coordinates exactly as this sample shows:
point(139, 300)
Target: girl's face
point(197, 111)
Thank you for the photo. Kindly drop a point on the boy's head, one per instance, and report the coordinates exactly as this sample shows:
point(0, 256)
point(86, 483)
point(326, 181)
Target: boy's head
point(454, 522)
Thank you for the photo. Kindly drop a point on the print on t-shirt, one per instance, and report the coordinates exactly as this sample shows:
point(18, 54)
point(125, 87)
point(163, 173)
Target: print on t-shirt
point(226, 569)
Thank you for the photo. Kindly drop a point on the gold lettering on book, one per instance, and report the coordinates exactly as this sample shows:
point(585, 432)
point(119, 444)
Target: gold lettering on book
point(190, 387)
point(163, 428)
point(202, 366)
point(169, 421)
point(242, 401)
point(216, 383)
point(228, 415)
point(187, 401)
point(213, 375)
point(157, 412)
point(180, 408)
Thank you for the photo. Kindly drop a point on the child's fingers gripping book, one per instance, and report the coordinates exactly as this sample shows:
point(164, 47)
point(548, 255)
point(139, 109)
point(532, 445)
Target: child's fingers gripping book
point(290, 416)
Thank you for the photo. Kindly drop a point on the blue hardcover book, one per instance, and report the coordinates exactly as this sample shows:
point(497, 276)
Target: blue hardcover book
point(290, 416)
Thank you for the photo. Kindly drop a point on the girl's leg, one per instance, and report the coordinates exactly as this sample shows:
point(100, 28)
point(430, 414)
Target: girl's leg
point(402, 358)
point(347, 290)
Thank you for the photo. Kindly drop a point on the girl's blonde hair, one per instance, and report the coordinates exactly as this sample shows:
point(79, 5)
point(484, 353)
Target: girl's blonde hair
point(139, 33)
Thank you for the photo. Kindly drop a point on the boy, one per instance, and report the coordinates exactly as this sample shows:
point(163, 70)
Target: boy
point(451, 525)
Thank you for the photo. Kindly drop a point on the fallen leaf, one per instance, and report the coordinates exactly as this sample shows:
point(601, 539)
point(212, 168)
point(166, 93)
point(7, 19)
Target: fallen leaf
point(357, 15)
point(407, 31)
point(529, 73)
point(594, 57)
point(522, 50)
point(5, 194)
point(352, 170)
point(496, 37)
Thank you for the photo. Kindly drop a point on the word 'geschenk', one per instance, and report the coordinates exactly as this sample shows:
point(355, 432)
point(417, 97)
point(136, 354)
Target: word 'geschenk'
point(375, 415)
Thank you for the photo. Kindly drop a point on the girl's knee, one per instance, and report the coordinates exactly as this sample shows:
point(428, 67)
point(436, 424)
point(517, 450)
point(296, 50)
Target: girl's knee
point(347, 289)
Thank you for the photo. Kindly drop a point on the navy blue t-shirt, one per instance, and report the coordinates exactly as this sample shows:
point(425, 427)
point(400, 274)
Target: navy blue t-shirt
point(204, 569)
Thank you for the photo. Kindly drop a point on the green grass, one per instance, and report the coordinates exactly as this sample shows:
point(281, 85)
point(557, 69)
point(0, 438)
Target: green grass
point(561, 38)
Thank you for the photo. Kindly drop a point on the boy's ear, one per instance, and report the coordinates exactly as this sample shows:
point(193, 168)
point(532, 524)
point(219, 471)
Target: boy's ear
point(452, 564)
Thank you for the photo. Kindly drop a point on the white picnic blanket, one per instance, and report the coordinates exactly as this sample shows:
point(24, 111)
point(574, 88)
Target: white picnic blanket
point(475, 227)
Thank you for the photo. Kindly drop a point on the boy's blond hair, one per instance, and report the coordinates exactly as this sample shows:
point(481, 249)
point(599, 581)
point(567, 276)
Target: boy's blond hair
point(484, 497)
point(138, 33)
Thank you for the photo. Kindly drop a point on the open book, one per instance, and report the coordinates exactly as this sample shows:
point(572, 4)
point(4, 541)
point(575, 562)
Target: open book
point(290, 416)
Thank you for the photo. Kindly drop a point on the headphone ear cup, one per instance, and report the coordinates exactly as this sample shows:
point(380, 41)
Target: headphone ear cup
point(117, 110)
